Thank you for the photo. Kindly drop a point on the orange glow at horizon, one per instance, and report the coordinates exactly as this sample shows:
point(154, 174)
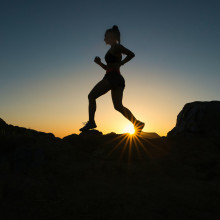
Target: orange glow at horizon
point(56, 105)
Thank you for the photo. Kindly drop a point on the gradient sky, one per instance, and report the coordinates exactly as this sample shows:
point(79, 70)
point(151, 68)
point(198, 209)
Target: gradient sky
point(48, 48)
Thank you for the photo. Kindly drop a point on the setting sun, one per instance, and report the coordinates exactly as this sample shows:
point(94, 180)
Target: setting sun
point(129, 129)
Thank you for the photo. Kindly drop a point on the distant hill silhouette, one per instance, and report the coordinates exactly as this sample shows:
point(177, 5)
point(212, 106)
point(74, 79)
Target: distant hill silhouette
point(16, 131)
point(112, 176)
point(149, 135)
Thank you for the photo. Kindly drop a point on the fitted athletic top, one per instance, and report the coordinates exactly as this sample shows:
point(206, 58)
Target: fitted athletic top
point(110, 58)
point(113, 75)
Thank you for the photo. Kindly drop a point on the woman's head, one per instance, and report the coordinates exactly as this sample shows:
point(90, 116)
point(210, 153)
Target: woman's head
point(112, 35)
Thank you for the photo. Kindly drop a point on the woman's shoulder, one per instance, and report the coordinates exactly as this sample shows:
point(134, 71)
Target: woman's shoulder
point(123, 50)
point(117, 48)
point(120, 48)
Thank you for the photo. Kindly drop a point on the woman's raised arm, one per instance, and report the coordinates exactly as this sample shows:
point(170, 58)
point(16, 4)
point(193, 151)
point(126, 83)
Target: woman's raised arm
point(126, 51)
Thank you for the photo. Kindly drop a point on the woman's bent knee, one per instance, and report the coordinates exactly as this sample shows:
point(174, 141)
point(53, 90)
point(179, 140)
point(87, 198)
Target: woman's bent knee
point(119, 108)
point(91, 96)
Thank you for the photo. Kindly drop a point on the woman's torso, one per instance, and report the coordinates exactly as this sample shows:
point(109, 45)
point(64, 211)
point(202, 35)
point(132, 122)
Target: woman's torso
point(112, 57)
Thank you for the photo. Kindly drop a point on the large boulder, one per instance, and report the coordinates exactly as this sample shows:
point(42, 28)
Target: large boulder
point(198, 118)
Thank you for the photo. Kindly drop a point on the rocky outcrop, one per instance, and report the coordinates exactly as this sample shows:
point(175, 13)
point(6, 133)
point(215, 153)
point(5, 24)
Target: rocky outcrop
point(2, 123)
point(198, 118)
point(11, 131)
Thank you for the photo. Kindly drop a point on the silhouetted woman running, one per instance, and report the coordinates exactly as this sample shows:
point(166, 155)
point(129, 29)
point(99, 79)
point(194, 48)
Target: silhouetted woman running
point(113, 80)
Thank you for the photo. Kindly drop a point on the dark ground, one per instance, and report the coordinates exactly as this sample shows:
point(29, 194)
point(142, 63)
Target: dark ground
point(97, 176)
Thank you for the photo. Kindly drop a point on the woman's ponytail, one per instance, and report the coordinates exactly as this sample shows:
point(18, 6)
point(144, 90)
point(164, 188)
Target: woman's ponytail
point(116, 32)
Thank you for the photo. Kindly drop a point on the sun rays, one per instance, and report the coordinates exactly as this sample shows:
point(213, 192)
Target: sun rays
point(130, 144)
point(132, 147)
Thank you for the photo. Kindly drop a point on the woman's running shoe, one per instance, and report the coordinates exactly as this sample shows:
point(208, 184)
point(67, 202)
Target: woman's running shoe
point(88, 125)
point(138, 126)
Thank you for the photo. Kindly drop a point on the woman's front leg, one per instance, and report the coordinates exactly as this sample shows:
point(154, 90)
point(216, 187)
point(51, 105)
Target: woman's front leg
point(99, 89)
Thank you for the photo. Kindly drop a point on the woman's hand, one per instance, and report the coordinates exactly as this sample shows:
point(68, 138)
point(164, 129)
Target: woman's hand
point(97, 60)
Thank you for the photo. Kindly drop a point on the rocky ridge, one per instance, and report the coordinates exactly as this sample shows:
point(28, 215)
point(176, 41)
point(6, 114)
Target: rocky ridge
point(113, 176)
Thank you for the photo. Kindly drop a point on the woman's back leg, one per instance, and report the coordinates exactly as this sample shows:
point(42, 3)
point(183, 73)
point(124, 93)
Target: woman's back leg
point(117, 96)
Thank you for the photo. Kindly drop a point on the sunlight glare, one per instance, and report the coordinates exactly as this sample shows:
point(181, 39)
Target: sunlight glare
point(129, 129)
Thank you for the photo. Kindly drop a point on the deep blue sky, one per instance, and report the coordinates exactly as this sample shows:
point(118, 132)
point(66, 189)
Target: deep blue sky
point(48, 47)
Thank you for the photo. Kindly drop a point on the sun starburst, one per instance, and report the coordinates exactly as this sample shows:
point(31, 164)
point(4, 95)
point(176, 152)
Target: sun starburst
point(129, 129)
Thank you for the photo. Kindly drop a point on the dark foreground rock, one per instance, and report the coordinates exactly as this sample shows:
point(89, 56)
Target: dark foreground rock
point(95, 176)
point(198, 118)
